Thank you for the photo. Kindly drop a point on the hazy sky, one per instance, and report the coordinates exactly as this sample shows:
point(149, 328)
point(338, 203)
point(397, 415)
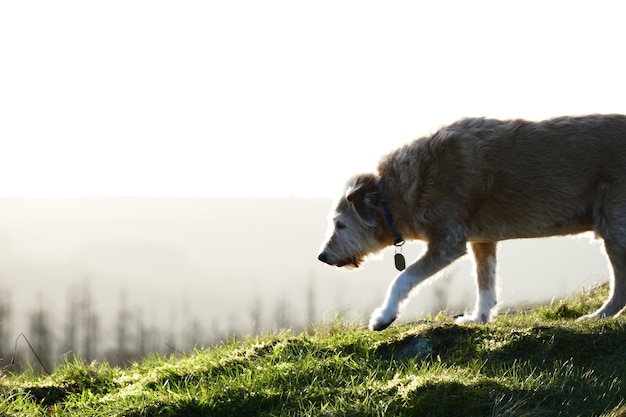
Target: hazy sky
point(276, 98)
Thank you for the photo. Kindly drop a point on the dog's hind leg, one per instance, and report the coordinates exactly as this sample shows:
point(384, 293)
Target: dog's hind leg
point(437, 256)
point(486, 297)
point(611, 226)
point(616, 252)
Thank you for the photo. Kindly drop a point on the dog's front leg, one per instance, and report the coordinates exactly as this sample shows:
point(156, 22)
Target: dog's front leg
point(437, 257)
point(486, 298)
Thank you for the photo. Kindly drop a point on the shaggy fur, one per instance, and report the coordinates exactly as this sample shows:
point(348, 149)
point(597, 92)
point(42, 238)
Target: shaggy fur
point(479, 181)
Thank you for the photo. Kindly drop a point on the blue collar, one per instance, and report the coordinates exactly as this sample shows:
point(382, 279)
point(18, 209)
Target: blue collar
point(398, 240)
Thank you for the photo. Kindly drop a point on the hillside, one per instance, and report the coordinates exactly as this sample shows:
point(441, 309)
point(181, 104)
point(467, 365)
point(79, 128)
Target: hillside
point(539, 362)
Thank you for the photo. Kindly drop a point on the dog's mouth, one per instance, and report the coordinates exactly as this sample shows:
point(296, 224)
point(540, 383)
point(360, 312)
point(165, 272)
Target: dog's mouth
point(352, 263)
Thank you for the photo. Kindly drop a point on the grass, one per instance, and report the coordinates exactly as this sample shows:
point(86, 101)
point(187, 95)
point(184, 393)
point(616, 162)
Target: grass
point(536, 363)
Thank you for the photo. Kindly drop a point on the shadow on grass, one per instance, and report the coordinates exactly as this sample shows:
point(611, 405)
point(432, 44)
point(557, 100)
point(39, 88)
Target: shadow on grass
point(587, 344)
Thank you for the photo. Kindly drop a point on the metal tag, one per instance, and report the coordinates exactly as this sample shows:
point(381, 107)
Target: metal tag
point(400, 262)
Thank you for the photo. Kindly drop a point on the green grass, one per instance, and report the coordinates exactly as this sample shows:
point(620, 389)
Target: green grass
point(537, 363)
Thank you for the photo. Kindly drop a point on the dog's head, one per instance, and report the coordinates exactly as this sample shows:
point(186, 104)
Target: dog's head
point(354, 229)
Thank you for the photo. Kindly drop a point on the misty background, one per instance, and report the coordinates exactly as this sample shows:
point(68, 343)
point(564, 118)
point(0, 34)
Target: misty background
point(189, 272)
point(166, 169)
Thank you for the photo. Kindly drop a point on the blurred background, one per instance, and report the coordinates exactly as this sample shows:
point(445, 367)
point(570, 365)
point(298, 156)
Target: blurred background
point(168, 168)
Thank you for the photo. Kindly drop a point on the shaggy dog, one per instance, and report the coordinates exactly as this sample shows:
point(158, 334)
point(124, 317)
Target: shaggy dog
point(479, 181)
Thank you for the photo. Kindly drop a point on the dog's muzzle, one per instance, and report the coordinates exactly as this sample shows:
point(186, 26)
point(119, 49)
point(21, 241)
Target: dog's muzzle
point(338, 263)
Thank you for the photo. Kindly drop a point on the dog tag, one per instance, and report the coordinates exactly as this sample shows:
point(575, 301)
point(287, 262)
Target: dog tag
point(399, 260)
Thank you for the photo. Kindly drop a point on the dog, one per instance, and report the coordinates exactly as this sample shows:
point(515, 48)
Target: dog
point(479, 181)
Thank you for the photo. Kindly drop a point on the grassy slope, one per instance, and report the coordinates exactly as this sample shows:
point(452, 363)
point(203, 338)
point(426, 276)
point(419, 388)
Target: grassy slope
point(540, 363)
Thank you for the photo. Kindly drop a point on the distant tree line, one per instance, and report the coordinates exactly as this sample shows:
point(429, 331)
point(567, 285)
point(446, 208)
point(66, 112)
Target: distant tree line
point(81, 332)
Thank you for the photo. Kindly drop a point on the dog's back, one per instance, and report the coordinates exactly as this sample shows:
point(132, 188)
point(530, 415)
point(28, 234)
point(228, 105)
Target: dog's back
point(512, 179)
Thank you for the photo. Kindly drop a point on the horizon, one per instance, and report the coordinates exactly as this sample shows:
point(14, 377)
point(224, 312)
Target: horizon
point(206, 259)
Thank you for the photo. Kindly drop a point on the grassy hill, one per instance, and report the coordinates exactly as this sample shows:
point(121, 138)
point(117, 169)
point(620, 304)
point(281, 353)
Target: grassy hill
point(536, 363)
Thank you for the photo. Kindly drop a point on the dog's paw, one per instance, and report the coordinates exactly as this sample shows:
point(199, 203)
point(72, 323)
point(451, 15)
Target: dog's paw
point(592, 316)
point(472, 318)
point(380, 320)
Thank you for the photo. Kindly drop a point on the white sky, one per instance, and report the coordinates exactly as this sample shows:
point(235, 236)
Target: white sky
point(276, 98)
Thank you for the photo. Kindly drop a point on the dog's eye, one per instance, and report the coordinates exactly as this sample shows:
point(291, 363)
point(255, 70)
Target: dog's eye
point(340, 225)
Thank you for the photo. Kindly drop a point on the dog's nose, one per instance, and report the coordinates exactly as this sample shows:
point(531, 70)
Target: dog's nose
point(323, 257)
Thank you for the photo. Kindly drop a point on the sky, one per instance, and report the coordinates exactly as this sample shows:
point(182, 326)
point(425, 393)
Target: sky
point(276, 98)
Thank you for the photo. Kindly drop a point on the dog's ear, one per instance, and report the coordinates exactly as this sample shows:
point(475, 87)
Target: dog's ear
point(364, 197)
